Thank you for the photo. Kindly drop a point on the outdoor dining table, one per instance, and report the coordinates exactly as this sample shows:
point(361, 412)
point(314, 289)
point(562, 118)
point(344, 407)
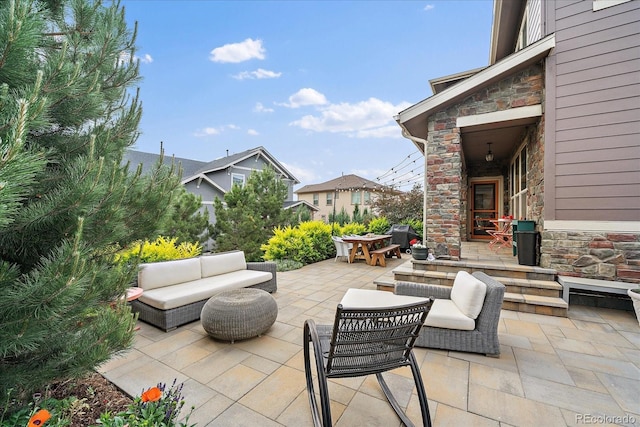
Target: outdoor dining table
point(363, 245)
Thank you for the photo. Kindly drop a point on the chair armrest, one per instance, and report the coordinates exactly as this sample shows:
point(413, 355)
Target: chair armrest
point(423, 290)
point(267, 266)
point(262, 266)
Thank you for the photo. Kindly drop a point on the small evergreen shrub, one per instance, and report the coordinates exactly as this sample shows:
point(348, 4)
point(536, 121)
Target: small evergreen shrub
point(287, 265)
point(161, 249)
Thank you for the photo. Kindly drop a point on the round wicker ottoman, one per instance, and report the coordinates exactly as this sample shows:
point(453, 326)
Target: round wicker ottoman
point(239, 314)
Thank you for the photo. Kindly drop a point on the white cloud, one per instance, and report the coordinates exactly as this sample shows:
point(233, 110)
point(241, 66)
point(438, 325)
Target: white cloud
point(259, 108)
point(372, 118)
point(209, 131)
point(429, 7)
point(238, 52)
point(145, 59)
point(252, 132)
point(257, 74)
point(304, 97)
point(302, 174)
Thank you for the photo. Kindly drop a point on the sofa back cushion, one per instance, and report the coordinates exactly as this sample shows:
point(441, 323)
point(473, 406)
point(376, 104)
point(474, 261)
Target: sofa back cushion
point(468, 294)
point(221, 263)
point(167, 273)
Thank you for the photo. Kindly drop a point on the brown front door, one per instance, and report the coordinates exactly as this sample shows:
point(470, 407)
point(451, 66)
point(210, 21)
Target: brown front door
point(484, 206)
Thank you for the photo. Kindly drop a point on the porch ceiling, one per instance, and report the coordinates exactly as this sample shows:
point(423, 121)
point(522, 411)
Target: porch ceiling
point(502, 135)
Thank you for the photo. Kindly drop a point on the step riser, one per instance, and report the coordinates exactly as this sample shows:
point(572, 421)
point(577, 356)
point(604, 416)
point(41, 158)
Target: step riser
point(536, 309)
point(531, 275)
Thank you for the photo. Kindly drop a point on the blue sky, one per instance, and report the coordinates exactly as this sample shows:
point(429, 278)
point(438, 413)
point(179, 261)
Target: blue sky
point(316, 83)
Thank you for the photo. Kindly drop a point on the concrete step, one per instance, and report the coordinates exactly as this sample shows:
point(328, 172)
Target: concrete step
point(535, 294)
point(549, 306)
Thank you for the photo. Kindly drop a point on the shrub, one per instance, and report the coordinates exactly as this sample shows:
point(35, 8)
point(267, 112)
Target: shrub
point(307, 243)
point(379, 225)
point(162, 249)
point(353, 228)
point(417, 226)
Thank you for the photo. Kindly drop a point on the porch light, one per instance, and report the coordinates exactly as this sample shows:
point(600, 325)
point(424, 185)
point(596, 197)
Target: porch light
point(489, 156)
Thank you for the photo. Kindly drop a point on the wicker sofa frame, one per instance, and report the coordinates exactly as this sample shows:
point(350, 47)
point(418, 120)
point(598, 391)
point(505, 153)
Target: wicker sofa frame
point(172, 318)
point(483, 339)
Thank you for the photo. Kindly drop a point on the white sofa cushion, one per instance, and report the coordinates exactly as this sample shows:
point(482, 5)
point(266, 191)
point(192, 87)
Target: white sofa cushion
point(445, 314)
point(224, 262)
point(186, 293)
point(160, 274)
point(468, 294)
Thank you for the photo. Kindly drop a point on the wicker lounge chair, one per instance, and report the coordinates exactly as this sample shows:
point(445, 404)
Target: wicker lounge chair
point(364, 341)
point(482, 339)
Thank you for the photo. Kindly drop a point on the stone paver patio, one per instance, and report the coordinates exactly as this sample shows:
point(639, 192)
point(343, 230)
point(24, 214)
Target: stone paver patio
point(584, 369)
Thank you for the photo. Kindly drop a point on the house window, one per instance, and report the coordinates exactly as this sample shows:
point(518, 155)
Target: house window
point(329, 199)
point(316, 199)
point(367, 198)
point(518, 185)
point(603, 4)
point(355, 198)
point(237, 179)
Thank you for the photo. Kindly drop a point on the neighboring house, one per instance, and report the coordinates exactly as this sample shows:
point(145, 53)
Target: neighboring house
point(346, 192)
point(213, 179)
point(549, 131)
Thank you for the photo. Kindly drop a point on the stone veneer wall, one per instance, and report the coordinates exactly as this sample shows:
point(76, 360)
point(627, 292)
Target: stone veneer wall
point(446, 194)
point(607, 256)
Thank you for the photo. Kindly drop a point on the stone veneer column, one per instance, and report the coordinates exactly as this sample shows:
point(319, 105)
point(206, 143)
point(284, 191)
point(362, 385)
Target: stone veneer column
point(443, 186)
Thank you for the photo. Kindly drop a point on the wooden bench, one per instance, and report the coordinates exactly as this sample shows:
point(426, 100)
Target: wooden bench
point(378, 256)
point(606, 286)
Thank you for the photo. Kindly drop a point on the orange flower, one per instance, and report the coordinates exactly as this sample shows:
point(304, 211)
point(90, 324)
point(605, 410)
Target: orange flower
point(39, 418)
point(152, 395)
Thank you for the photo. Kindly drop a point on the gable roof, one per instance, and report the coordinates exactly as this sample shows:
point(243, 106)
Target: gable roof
point(194, 169)
point(344, 182)
point(230, 160)
point(290, 204)
point(413, 119)
point(148, 160)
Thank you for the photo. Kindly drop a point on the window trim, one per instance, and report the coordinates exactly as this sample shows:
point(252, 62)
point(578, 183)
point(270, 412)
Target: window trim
point(234, 176)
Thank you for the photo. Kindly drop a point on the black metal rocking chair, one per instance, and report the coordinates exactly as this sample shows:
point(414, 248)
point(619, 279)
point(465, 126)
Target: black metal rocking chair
point(364, 341)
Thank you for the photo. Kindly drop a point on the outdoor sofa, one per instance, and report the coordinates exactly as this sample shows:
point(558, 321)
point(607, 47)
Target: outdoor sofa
point(174, 292)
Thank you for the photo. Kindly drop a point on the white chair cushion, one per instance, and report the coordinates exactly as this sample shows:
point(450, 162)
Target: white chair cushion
point(445, 314)
point(221, 263)
point(367, 298)
point(468, 294)
point(159, 274)
point(198, 290)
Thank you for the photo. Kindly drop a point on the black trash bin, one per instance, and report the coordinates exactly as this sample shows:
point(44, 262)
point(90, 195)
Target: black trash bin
point(528, 247)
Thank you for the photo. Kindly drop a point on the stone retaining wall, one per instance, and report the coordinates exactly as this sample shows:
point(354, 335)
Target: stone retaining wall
point(606, 256)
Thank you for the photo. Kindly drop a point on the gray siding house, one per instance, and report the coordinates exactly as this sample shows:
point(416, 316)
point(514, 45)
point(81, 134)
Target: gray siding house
point(549, 132)
point(213, 179)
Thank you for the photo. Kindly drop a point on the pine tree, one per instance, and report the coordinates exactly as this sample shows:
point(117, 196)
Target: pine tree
point(188, 221)
point(251, 213)
point(67, 113)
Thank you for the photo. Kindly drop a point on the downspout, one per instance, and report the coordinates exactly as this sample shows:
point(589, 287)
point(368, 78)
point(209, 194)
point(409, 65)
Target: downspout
point(423, 142)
